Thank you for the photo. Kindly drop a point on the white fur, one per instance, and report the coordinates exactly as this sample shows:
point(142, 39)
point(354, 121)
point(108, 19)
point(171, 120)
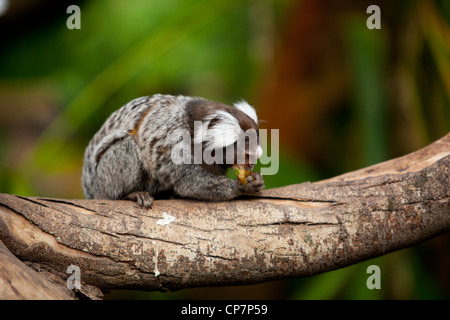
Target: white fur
point(224, 133)
point(247, 109)
point(259, 152)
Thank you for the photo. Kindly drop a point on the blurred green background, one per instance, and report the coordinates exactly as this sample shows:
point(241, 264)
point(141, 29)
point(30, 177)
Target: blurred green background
point(342, 96)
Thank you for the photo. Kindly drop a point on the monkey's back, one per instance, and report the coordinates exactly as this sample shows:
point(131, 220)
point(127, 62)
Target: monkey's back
point(149, 121)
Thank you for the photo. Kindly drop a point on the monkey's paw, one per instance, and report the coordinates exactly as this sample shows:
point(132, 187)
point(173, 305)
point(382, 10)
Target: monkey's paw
point(254, 183)
point(143, 198)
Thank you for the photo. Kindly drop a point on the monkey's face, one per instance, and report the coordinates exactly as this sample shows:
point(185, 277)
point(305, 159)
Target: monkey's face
point(226, 131)
point(252, 147)
point(245, 152)
point(251, 150)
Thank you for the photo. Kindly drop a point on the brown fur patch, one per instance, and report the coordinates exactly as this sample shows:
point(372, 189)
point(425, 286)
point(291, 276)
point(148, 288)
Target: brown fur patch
point(139, 123)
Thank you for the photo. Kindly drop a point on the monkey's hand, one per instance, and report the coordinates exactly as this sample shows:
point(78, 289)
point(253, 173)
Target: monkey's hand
point(254, 183)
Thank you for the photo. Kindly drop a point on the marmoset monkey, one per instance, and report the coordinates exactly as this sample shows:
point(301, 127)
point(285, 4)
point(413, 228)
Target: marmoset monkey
point(132, 156)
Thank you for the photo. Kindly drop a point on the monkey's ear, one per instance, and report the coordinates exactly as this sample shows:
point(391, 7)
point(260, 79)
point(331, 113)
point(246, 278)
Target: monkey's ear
point(247, 109)
point(218, 130)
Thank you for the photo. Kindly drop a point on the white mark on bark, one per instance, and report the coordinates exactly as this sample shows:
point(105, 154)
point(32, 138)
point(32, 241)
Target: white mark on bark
point(156, 271)
point(167, 218)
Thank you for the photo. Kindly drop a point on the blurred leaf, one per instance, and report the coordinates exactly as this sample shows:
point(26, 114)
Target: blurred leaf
point(324, 286)
point(367, 57)
point(437, 34)
point(291, 170)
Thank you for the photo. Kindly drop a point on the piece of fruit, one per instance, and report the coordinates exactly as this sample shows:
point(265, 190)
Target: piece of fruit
point(242, 174)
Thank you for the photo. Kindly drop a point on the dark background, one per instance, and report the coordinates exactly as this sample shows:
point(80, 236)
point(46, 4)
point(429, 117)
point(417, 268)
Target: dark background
point(342, 96)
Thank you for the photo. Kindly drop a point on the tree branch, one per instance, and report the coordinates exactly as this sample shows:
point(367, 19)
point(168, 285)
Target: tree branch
point(286, 232)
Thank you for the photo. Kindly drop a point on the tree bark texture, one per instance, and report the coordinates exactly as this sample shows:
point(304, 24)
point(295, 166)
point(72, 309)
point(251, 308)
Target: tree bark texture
point(286, 232)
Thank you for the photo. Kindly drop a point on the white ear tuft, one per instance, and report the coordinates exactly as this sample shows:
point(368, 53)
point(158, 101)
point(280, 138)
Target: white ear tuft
point(222, 134)
point(247, 109)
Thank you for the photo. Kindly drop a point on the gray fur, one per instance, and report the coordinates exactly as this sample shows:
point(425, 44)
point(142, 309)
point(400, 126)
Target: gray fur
point(130, 156)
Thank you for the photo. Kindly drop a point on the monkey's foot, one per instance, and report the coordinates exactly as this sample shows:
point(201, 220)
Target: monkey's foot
point(143, 198)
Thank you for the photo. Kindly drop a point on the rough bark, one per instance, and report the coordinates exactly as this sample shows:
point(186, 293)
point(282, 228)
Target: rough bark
point(286, 232)
point(17, 281)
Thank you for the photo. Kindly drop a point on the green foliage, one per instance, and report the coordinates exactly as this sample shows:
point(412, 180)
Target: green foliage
point(367, 58)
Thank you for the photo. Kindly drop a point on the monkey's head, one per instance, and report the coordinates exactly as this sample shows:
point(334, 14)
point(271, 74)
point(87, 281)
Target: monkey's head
point(230, 132)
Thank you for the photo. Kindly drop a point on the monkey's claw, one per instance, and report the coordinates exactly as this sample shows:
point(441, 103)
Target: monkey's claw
point(143, 198)
point(254, 183)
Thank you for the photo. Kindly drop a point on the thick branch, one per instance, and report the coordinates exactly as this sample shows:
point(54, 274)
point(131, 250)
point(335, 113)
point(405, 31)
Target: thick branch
point(17, 281)
point(287, 232)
